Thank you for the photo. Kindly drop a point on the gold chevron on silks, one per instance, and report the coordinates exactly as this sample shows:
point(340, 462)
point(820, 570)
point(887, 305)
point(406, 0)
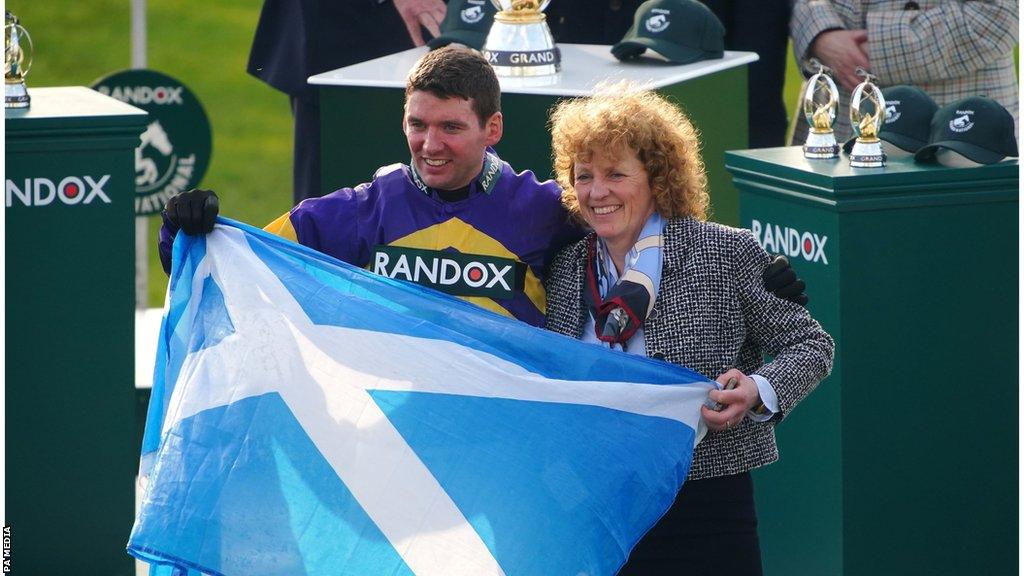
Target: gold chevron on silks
point(464, 238)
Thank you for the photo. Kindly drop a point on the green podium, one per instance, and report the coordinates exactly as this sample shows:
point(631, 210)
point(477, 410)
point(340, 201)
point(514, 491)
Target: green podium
point(361, 128)
point(72, 451)
point(904, 461)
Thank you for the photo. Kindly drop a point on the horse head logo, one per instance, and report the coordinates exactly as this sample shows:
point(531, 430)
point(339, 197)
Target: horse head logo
point(472, 15)
point(961, 122)
point(657, 23)
point(154, 136)
point(892, 113)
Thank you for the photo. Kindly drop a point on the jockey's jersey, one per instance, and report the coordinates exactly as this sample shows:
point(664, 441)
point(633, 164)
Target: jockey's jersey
point(490, 248)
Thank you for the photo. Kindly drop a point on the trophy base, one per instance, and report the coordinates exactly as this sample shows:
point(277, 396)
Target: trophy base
point(516, 49)
point(821, 146)
point(16, 95)
point(867, 154)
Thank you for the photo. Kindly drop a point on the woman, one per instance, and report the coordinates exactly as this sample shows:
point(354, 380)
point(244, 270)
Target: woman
point(654, 278)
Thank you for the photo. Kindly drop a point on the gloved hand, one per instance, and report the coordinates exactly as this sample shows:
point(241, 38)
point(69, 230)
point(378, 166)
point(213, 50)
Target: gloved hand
point(780, 279)
point(193, 212)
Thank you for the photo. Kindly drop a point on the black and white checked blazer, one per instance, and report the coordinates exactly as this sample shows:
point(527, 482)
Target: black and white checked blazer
point(951, 49)
point(712, 312)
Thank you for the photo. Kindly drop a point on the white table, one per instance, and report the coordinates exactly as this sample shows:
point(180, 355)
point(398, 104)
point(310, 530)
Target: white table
point(360, 111)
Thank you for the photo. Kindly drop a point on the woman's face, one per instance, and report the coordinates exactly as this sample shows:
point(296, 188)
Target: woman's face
point(614, 196)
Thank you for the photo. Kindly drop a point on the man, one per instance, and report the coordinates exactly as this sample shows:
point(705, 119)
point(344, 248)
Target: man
point(456, 218)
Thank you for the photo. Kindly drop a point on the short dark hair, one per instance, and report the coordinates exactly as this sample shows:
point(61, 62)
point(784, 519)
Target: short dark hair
point(455, 71)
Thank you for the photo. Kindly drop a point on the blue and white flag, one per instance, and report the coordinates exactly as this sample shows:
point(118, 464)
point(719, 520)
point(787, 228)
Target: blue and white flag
point(311, 418)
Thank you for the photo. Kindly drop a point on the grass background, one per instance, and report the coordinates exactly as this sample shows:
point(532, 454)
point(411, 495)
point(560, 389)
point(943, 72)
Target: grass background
point(204, 44)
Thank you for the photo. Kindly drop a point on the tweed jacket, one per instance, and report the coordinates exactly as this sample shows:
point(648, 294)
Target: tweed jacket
point(712, 313)
point(951, 49)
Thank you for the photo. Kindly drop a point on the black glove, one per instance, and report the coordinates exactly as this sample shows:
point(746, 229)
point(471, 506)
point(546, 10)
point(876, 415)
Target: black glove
point(780, 279)
point(193, 212)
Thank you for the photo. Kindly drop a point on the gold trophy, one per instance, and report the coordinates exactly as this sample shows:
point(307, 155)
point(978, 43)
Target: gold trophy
point(867, 112)
point(519, 42)
point(821, 102)
point(15, 65)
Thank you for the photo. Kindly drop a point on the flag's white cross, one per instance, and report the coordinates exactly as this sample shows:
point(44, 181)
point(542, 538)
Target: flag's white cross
point(323, 374)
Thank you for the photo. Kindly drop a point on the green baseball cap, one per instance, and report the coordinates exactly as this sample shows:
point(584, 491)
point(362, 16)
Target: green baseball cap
point(465, 22)
point(683, 31)
point(977, 128)
point(908, 117)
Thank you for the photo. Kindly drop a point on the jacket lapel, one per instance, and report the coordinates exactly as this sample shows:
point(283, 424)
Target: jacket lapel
point(676, 239)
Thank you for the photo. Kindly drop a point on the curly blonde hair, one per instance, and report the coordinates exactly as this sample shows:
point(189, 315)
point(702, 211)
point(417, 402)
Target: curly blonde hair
point(619, 118)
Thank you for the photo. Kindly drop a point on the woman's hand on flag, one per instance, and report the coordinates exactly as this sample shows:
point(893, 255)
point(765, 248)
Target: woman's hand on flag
point(735, 402)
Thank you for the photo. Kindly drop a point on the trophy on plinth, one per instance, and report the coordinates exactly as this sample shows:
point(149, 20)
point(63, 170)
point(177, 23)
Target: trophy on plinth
point(17, 61)
point(519, 42)
point(867, 112)
point(821, 102)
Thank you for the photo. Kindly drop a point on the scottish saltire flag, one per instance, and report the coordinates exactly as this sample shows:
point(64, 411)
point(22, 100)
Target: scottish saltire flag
point(310, 418)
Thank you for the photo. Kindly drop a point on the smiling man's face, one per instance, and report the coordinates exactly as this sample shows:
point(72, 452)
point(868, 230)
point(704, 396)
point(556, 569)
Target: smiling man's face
point(446, 140)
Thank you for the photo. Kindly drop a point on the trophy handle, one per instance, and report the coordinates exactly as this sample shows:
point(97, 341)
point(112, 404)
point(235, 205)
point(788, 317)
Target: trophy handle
point(26, 65)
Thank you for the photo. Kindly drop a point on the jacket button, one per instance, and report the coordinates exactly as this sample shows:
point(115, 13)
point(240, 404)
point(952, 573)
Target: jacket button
point(911, 5)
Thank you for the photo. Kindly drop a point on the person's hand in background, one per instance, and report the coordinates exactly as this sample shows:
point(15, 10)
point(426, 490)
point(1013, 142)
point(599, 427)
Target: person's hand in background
point(843, 51)
point(421, 13)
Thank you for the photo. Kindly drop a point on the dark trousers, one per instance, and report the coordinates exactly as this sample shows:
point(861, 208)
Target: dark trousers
point(306, 154)
point(760, 26)
point(711, 529)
